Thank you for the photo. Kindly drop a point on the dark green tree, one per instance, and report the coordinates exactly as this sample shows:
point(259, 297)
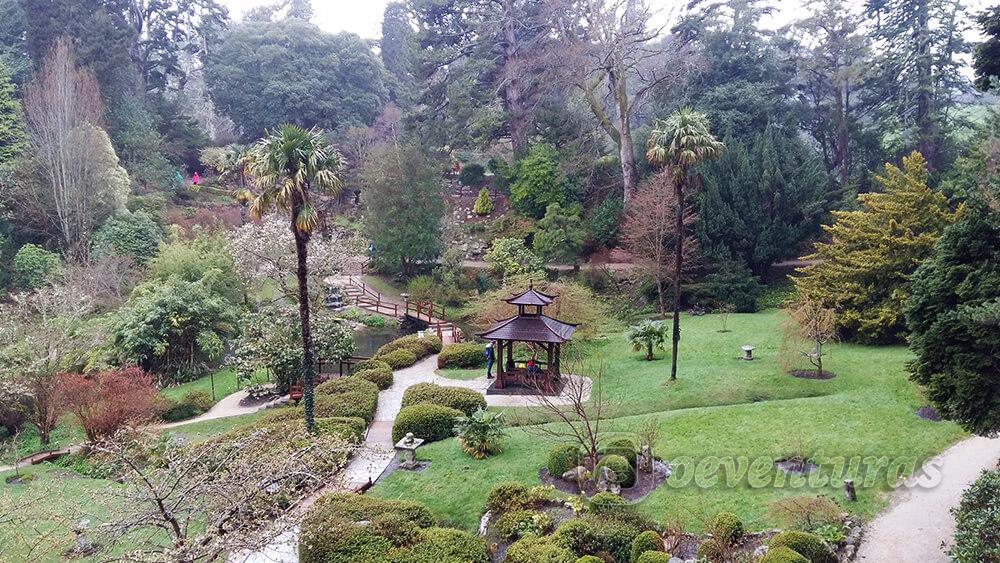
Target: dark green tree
point(265, 74)
point(13, 49)
point(403, 207)
point(539, 181)
point(986, 57)
point(560, 235)
point(12, 138)
point(953, 314)
point(760, 201)
point(397, 48)
point(920, 71)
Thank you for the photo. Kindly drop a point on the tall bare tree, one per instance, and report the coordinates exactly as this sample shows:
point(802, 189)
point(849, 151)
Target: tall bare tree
point(64, 111)
point(617, 60)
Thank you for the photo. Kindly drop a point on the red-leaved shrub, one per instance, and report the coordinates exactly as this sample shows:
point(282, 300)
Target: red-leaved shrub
point(105, 401)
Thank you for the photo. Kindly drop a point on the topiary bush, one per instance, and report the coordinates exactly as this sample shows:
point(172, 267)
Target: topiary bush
point(537, 550)
point(622, 468)
point(347, 427)
point(610, 533)
point(562, 458)
point(190, 405)
point(355, 507)
point(623, 447)
point(782, 555)
point(427, 421)
point(380, 376)
point(519, 523)
point(977, 521)
point(810, 546)
point(726, 527)
point(369, 364)
point(347, 396)
point(512, 495)
point(605, 502)
point(462, 355)
point(421, 347)
point(445, 545)
point(398, 359)
point(653, 557)
point(466, 400)
point(645, 542)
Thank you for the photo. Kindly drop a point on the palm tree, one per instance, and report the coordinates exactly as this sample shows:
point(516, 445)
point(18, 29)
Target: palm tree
point(288, 165)
point(681, 141)
point(647, 335)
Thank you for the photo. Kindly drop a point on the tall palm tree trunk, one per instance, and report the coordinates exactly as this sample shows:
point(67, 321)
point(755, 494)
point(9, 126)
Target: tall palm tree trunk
point(678, 259)
point(302, 272)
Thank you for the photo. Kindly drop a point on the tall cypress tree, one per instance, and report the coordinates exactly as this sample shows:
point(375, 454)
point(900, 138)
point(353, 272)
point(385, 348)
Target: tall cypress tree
point(11, 121)
point(863, 271)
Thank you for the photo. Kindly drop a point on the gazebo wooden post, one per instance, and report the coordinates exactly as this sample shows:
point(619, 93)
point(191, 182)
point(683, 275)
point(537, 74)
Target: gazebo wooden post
point(558, 354)
point(499, 348)
point(510, 355)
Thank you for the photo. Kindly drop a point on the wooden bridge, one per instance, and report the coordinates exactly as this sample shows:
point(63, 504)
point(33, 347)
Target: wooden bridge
point(366, 297)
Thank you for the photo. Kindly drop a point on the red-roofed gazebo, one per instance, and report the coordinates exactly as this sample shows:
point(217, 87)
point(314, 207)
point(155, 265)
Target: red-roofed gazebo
point(532, 326)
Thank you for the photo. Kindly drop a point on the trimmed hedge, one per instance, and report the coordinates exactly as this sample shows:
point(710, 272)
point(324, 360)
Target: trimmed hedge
point(727, 528)
point(646, 542)
point(782, 555)
point(466, 400)
point(445, 545)
point(369, 364)
point(380, 376)
point(590, 559)
point(611, 533)
point(810, 546)
point(421, 347)
point(622, 468)
point(977, 520)
point(355, 507)
point(462, 355)
point(514, 495)
point(604, 502)
point(537, 550)
point(348, 427)
point(427, 421)
point(623, 447)
point(347, 396)
point(398, 359)
point(562, 458)
point(653, 557)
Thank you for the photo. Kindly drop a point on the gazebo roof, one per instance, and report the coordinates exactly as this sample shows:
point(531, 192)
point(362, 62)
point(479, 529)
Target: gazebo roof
point(530, 296)
point(534, 328)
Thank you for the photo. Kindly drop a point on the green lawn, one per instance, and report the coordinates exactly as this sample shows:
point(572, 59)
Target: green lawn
point(225, 384)
point(719, 408)
point(466, 374)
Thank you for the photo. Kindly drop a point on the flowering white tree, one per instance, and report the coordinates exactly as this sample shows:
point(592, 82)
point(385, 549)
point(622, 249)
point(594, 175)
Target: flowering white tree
point(265, 250)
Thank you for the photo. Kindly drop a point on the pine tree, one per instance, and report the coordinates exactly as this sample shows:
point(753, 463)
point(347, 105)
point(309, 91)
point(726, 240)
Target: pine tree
point(11, 120)
point(863, 271)
point(484, 205)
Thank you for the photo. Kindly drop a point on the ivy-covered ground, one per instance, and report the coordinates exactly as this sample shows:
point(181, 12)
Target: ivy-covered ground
point(721, 408)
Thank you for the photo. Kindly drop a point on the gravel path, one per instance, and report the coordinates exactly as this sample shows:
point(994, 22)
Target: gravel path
point(918, 525)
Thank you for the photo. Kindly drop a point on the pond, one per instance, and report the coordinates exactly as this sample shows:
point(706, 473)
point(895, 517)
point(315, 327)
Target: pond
point(369, 339)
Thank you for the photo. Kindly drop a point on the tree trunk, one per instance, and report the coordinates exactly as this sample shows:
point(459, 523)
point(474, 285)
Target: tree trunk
point(626, 152)
point(659, 295)
point(678, 259)
point(926, 128)
point(649, 351)
point(513, 90)
point(302, 272)
point(842, 148)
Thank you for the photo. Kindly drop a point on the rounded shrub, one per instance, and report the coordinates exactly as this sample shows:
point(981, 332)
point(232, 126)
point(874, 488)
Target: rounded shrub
point(466, 400)
point(603, 503)
point(562, 458)
point(33, 266)
point(347, 396)
point(578, 535)
point(623, 447)
point(484, 203)
point(347, 427)
point(782, 555)
point(537, 550)
point(427, 421)
point(519, 523)
point(622, 468)
point(397, 529)
point(646, 541)
point(726, 527)
point(380, 376)
point(711, 550)
point(977, 520)
point(398, 359)
point(653, 557)
point(328, 538)
point(421, 347)
point(355, 508)
point(509, 495)
point(810, 546)
point(589, 559)
point(441, 545)
point(472, 174)
point(462, 355)
point(369, 364)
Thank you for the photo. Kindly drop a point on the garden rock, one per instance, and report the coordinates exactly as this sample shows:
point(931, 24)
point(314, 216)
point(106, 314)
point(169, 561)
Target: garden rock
point(645, 460)
point(608, 481)
point(578, 474)
point(759, 552)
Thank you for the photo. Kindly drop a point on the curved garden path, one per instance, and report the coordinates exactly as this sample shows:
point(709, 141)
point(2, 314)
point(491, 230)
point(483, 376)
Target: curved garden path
point(918, 525)
point(377, 454)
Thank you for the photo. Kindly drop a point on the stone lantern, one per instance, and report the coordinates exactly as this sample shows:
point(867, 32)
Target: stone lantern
point(408, 446)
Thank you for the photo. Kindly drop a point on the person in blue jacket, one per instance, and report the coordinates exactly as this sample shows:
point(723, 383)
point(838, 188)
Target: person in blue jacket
point(488, 352)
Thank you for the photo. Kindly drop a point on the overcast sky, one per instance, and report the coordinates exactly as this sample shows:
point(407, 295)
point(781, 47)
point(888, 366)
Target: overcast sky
point(364, 17)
